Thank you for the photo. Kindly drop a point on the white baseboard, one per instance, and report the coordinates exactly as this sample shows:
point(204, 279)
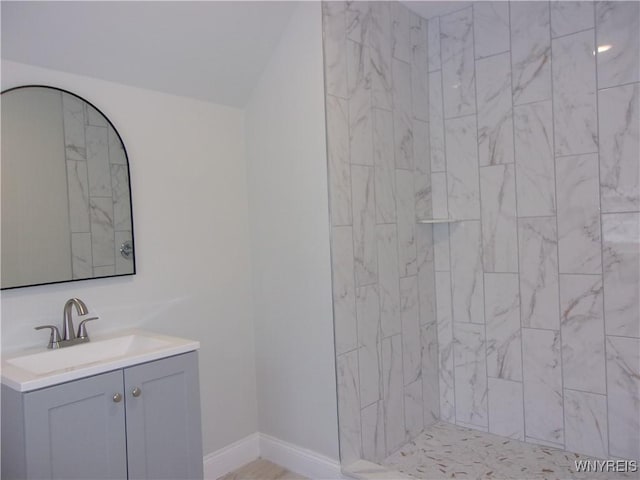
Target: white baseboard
point(231, 457)
point(299, 460)
point(292, 457)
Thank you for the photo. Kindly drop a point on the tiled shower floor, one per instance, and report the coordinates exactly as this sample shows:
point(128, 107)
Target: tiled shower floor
point(449, 451)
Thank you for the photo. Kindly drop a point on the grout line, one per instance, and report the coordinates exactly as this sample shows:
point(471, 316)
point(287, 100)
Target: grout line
point(517, 225)
point(481, 246)
point(452, 416)
point(564, 35)
point(553, 121)
point(627, 84)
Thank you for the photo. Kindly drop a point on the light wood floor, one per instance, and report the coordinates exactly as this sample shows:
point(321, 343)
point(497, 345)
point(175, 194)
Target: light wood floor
point(262, 470)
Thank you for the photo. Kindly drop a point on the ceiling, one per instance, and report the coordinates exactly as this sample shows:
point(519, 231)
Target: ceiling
point(210, 50)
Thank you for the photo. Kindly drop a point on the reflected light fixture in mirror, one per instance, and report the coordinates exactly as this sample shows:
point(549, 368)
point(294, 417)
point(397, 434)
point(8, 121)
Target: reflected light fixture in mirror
point(66, 194)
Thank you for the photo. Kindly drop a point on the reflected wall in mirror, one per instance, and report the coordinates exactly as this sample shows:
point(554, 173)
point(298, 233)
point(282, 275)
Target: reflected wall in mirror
point(66, 195)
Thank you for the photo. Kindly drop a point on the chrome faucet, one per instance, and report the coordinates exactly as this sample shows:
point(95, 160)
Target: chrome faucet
point(69, 337)
point(67, 326)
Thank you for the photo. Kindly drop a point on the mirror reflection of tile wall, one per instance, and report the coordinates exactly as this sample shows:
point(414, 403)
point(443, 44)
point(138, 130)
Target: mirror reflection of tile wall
point(99, 204)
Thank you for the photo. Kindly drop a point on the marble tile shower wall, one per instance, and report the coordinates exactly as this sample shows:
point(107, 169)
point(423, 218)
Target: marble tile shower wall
point(98, 184)
point(534, 128)
point(379, 182)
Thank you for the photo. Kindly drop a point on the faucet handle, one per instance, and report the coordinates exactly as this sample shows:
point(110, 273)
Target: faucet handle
point(82, 329)
point(54, 338)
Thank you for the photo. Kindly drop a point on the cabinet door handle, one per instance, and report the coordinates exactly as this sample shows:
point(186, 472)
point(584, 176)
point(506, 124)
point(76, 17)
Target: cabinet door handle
point(117, 397)
point(136, 392)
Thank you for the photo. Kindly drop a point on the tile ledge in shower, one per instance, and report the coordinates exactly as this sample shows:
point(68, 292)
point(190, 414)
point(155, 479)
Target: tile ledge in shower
point(364, 470)
point(436, 220)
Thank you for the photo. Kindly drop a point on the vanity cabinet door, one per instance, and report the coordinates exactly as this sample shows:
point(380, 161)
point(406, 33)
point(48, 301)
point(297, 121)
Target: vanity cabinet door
point(76, 430)
point(164, 439)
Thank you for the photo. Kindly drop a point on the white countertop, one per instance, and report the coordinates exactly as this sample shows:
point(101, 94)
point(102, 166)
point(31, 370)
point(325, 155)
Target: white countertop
point(41, 367)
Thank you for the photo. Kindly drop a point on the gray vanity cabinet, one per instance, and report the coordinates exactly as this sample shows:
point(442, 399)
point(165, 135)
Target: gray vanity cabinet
point(76, 430)
point(139, 422)
point(164, 438)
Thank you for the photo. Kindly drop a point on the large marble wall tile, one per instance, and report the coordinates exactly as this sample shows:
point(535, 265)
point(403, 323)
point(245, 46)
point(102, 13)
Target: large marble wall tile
point(364, 223)
point(400, 32)
point(430, 374)
point(338, 154)
point(436, 123)
point(426, 277)
point(495, 116)
point(419, 70)
point(98, 161)
point(413, 415)
point(94, 118)
point(74, 123)
point(530, 51)
point(543, 404)
point(445, 346)
point(104, 271)
point(383, 154)
point(422, 172)
point(393, 392)
point(344, 293)
point(619, 124)
point(574, 94)
point(117, 154)
point(411, 344)
point(439, 206)
point(359, 83)
point(502, 313)
point(618, 25)
point(582, 322)
point(78, 191)
point(373, 441)
point(102, 233)
point(538, 251)
point(462, 168)
point(349, 407)
point(380, 43)
point(499, 225)
point(441, 247)
point(458, 75)
point(121, 197)
point(506, 414)
point(402, 115)
point(470, 374)
point(586, 423)
point(389, 290)
point(406, 214)
point(570, 17)
point(358, 19)
point(579, 246)
point(123, 265)
point(621, 260)
point(623, 388)
point(466, 272)
point(335, 47)
point(81, 261)
point(433, 44)
point(491, 28)
point(534, 155)
point(369, 341)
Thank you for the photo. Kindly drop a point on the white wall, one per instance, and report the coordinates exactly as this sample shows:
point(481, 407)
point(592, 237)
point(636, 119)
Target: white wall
point(287, 169)
point(190, 210)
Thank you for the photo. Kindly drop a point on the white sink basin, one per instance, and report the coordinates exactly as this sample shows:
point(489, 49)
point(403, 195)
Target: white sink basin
point(42, 368)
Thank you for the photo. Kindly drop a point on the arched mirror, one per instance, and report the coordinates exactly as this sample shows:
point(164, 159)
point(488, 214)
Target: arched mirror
point(66, 195)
